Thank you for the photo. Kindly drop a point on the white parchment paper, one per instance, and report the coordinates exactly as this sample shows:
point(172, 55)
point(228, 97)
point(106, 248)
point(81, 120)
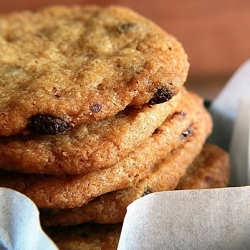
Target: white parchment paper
point(198, 219)
point(225, 106)
point(240, 144)
point(19, 224)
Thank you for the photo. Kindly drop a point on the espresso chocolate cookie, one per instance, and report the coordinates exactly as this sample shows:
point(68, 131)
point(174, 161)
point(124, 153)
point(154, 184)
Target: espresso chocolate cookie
point(86, 147)
point(86, 236)
point(67, 191)
point(211, 169)
point(68, 65)
point(111, 207)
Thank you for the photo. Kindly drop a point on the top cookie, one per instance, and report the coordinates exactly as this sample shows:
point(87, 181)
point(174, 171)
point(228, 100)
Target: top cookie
point(62, 66)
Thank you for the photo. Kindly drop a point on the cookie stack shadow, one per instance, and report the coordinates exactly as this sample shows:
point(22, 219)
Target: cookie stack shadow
point(83, 177)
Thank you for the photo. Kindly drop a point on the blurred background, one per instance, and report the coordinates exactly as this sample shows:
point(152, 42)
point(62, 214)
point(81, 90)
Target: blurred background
point(215, 34)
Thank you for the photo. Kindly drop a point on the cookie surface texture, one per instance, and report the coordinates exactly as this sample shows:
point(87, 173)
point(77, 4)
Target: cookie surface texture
point(211, 169)
point(69, 191)
point(62, 66)
point(111, 207)
point(86, 147)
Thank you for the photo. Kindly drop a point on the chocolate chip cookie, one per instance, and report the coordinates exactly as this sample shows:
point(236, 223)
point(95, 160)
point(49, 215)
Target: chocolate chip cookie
point(111, 207)
point(67, 65)
point(211, 169)
point(86, 147)
point(68, 191)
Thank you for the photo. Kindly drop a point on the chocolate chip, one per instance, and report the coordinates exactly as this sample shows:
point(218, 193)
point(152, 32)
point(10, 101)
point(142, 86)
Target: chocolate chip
point(146, 193)
point(96, 108)
point(187, 132)
point(125, 27)
point(47, 125)
point(161, 96)
point(55, 92)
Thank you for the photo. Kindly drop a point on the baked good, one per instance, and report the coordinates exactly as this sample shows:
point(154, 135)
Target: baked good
point(211, 169)
point(94, 115)
point(86, 236)
point(67, 65)
point(111, 207)
point(67, 191)
point(86, 147)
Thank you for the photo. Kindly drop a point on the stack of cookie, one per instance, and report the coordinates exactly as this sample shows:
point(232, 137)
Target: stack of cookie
point(94, 115)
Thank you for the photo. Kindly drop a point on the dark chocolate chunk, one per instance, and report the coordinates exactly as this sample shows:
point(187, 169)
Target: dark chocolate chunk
point(127, 26)
point(146, 193)
point(161, 96)
point(187, 132)
point(56, 92)
point(96, 108)
point(47, 125)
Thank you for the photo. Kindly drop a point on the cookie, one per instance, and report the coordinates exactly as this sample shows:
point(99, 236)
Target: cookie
point(211, 169)
point(67, 191)
point(86, 236)
point(111, 207)
point(67, 65)
point(86, 147)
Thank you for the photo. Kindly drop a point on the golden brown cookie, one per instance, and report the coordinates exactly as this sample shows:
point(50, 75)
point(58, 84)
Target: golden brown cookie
point(86, 147)
point(111, 207)
point(211, 169)
point(86, 237)
point(66, 65)
point(69, 191)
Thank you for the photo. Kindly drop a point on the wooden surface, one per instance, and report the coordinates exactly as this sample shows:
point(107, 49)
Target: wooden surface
point(215, 34)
